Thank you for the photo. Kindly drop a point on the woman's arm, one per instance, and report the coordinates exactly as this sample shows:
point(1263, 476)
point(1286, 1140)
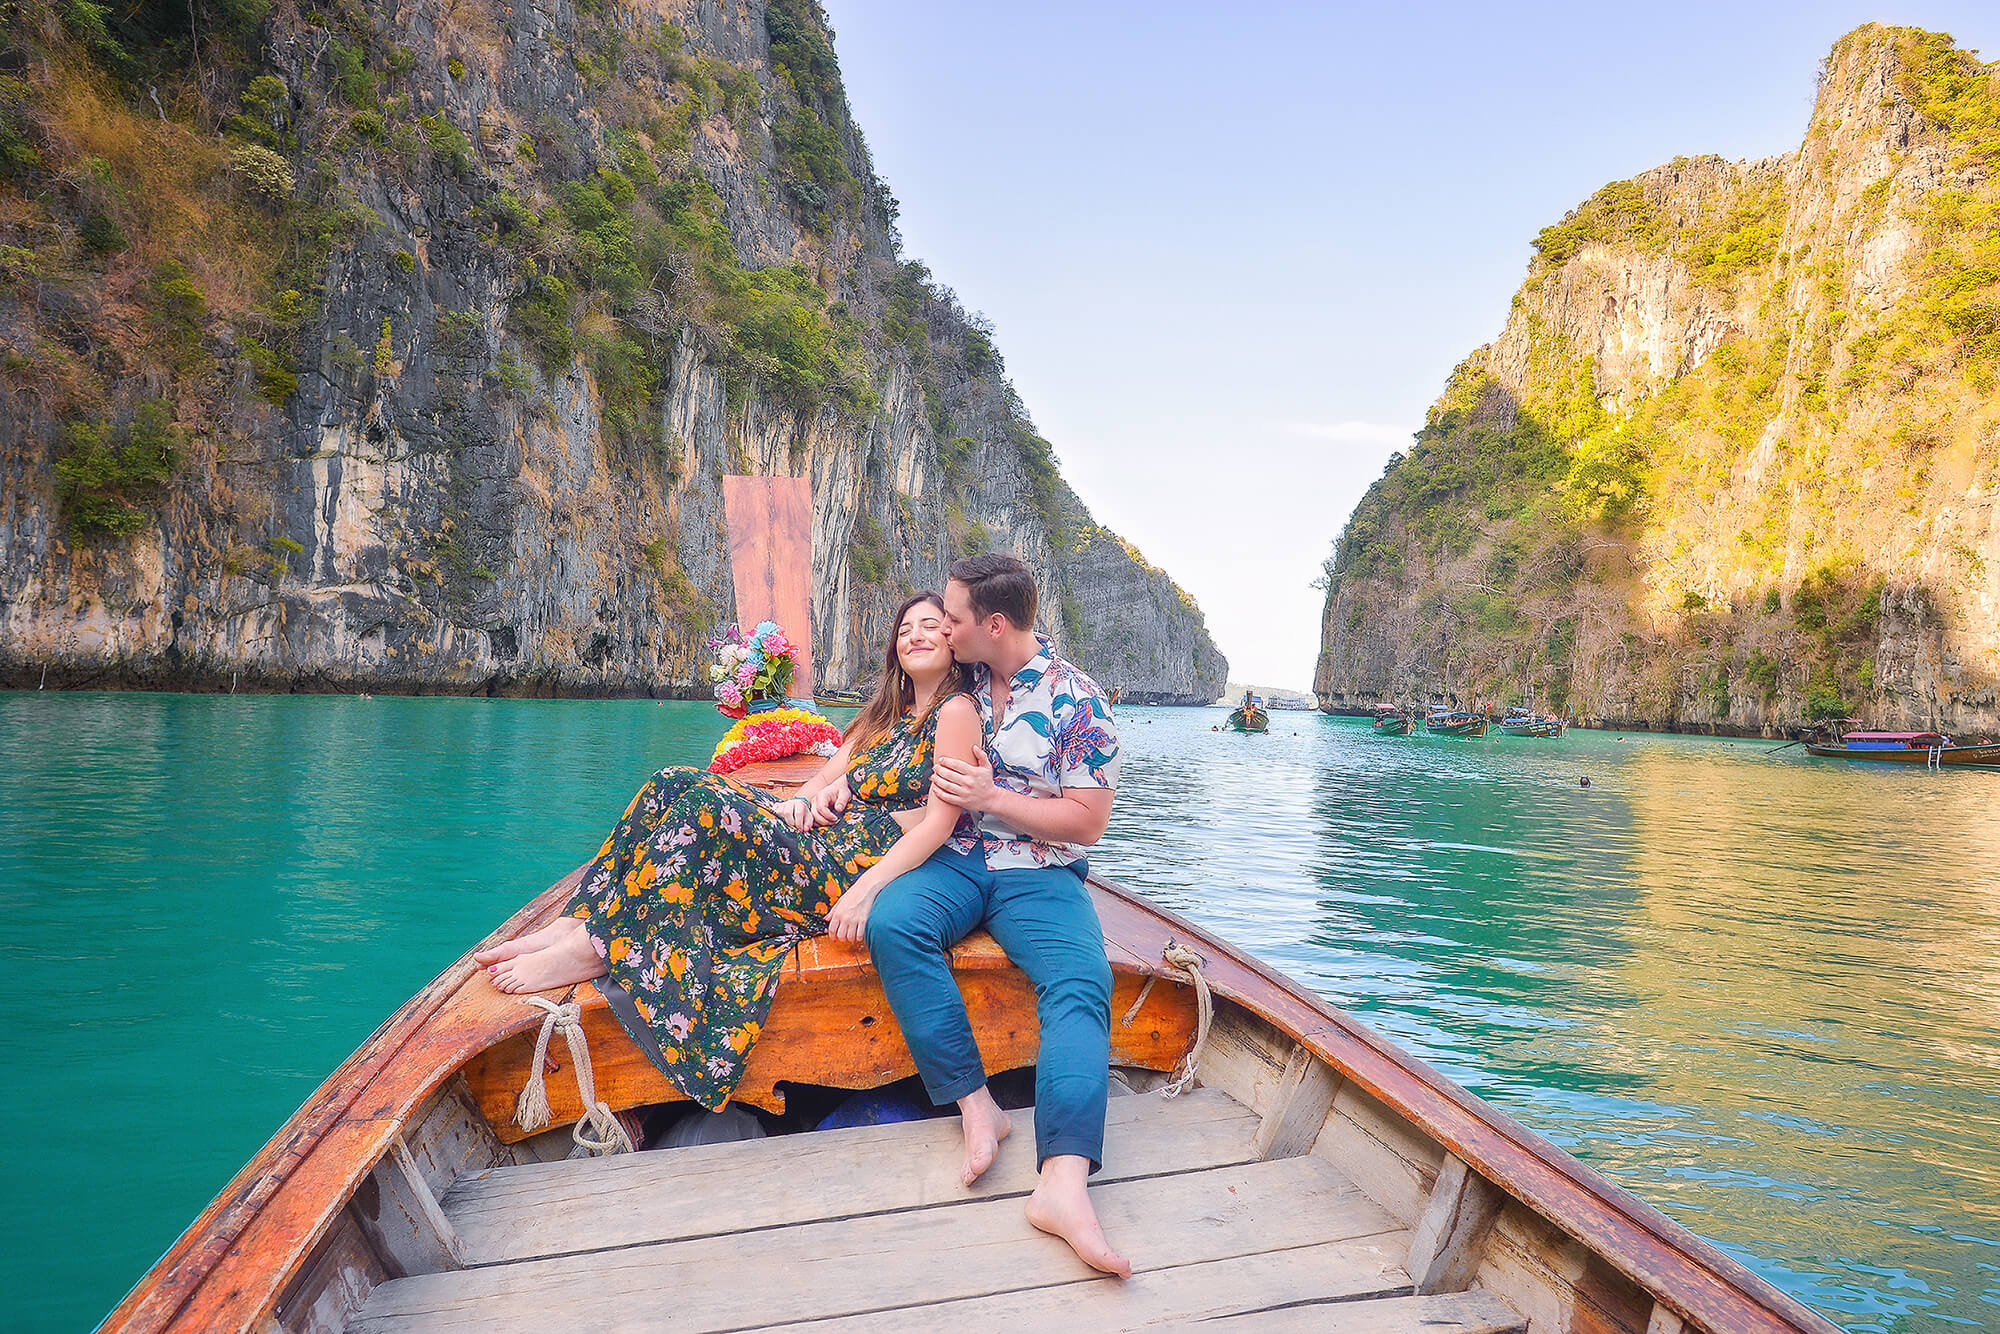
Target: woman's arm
point(958, 737)
point(834, 768)
point(802, 810)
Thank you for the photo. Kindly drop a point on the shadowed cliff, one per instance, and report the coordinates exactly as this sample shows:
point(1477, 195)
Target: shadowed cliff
point(398, 346)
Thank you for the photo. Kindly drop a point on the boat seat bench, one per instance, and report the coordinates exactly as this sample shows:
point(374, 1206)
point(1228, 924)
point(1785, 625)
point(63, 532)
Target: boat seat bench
point(869, 1229)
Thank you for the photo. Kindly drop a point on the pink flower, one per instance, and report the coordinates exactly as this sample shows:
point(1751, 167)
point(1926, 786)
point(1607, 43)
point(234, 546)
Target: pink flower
point(730, 694)
point(776, 645)
point(746, 676)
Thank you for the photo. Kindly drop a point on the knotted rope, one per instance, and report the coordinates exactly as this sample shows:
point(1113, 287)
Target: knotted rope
point(1188, 964)
point(531, 1109)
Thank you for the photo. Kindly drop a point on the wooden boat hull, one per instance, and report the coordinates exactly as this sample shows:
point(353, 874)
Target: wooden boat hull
point(1984, 756)
point(1395, 726)
point(1470, 728)
point(344, 1200)
point(1257, 722)
point(1534, 729)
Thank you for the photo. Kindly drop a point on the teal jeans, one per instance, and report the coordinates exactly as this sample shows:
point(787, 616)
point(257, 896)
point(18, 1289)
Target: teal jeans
point(1044, 919)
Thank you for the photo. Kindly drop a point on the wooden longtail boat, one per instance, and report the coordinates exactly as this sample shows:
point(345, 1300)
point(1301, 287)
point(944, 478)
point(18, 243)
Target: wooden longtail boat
point(1456, 723)
point(1394, 722)
point(1928, 748)
point(1249, 720)
point(1317, 1177)
point(1530, 725)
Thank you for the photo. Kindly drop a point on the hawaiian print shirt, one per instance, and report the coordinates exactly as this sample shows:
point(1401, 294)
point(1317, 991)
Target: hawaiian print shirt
point(1057, 734)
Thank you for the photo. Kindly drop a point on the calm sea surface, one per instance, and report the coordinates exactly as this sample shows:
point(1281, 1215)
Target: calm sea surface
point(1761, 991)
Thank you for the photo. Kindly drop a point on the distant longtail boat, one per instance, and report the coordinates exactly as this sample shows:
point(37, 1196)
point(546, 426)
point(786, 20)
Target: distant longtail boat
point(1455, 722)
point(1928, 748)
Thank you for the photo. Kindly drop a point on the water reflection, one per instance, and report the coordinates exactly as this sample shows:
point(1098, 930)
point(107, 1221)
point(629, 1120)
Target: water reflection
point(1759, 990)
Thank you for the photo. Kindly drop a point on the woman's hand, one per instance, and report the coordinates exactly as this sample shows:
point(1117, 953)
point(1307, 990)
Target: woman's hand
point(796, 812)
point(849, 918)
point(830, 801)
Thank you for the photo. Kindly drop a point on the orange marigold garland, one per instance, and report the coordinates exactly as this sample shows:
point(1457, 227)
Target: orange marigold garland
point(773, 735)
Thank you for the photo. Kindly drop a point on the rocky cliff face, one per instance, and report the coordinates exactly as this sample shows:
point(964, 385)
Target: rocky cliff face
point(403, 347)
point(1733, 461)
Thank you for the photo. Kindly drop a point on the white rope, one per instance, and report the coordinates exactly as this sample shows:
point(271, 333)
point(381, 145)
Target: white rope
point(1145, 991)
point(1188, 964)
point(531, 1109)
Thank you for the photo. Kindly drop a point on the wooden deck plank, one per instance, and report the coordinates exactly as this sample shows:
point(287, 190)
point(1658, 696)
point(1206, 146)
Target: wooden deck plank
point(1444, 1313)
point(1332, 1272)
point(816, 1270)
point(519, 1213)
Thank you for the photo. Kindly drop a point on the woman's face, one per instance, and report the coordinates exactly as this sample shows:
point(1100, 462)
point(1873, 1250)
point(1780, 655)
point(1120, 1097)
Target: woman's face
point(920, 643)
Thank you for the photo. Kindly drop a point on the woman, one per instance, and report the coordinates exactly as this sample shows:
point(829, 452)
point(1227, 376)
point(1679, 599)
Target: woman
point(689, 909)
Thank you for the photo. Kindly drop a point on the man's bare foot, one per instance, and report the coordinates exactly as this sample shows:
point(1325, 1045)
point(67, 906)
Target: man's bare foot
point(1061, 1207)
point(534, 940)
point(568, 959)
point(985, 1126)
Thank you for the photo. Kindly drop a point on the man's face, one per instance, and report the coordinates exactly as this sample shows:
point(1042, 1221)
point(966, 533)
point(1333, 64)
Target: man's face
point(959, 627)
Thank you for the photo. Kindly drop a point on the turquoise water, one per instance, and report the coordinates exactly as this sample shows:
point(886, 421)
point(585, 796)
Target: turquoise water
point(1760, 990)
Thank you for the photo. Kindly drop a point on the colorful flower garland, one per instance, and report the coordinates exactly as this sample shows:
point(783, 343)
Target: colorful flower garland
point(773, 735)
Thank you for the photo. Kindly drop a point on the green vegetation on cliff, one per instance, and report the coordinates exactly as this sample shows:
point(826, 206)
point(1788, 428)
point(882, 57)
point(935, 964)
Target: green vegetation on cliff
point(375, 346)
point(1700, 531)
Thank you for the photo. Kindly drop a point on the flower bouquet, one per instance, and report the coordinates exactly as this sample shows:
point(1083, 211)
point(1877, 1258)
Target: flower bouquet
point(773, 735)
point(751, 671)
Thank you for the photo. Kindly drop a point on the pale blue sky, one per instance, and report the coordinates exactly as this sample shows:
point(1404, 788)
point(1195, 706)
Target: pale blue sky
point(1232, 251)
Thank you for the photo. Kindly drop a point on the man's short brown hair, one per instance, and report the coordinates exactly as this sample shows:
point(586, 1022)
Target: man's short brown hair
point(998, 582)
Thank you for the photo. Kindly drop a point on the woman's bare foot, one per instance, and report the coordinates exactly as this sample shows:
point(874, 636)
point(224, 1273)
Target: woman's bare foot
point(985, 1126)
point(566, 960)
point(1061, 1207)
point(534, 940)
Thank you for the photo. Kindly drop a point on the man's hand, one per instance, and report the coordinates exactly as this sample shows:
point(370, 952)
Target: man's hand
point(968, 786)
point(830, 801)
point(796, 812)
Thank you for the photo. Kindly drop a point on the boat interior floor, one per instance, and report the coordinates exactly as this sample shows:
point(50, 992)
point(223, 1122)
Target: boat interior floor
point(869, 1229)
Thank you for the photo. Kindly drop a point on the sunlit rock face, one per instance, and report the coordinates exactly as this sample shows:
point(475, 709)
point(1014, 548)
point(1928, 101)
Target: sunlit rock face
point(464, 492)
point(1732, 462)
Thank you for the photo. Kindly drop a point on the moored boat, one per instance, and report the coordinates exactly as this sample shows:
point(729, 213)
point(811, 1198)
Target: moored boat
point(1315, 1175)
point(1394, 722)
point(1526, 724)
point(1934, 749)
point(1455, 722)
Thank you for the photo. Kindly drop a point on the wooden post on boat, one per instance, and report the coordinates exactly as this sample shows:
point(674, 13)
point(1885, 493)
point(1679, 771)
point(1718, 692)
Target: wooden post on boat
point(770, 560)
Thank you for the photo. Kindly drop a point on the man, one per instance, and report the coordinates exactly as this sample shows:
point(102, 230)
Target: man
point(1039, 795)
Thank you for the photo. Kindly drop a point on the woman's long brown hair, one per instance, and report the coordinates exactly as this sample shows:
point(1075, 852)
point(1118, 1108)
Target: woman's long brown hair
point(895, 693)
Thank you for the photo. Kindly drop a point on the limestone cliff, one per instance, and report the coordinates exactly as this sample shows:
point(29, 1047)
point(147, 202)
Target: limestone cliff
point(402, 346)
point(1732, 463)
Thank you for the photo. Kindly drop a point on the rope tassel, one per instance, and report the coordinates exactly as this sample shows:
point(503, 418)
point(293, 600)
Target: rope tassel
point(531, 1109)
point(1188, 964)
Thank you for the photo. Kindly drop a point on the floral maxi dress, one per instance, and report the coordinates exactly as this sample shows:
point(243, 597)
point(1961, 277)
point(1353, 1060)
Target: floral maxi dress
point(702, 889)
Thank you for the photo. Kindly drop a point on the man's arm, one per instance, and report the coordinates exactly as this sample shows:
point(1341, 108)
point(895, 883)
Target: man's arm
point(1075, 815)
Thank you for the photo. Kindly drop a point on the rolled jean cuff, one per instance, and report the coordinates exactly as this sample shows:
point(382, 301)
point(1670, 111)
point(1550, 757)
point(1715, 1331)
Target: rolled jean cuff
point(956, 1089)
point(1075, 1146)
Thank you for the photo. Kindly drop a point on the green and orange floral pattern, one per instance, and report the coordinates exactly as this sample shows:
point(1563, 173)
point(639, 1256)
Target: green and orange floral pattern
point(702, 889)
